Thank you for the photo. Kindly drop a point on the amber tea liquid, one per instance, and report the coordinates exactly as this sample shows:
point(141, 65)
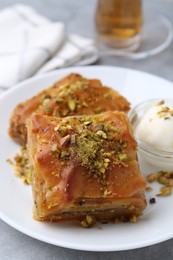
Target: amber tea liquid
point(119, 23)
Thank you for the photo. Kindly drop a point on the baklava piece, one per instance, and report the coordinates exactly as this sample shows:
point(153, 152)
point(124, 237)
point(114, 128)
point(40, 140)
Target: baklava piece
point(73, 95)
point(84, 168)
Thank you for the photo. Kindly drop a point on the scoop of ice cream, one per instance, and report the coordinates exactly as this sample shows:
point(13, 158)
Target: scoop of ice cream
point(156, 127)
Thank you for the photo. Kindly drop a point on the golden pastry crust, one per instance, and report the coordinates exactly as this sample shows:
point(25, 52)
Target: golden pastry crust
point(84, 166)
point(73, 95)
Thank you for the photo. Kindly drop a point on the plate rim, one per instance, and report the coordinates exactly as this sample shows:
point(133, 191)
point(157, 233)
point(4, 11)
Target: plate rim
point(107, 67)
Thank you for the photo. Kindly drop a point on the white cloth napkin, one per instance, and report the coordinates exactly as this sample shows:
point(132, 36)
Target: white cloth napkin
point(30, 44)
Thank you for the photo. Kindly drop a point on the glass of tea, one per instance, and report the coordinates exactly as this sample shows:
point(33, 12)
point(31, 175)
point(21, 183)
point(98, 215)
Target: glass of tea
point(119, 23)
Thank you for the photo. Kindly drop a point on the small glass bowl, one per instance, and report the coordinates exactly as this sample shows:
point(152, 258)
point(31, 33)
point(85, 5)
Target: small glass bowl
point(160, 158)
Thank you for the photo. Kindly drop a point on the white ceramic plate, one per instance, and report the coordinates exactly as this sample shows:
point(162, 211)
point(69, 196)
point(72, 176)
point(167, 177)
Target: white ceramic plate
point(16, 199)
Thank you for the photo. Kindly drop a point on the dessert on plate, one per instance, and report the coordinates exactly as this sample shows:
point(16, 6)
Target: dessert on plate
point(84, 168)
point(72, 95)
point(81, 154)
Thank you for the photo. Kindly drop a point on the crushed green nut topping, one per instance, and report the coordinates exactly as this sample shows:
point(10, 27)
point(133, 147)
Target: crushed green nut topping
point(151, 177)
point(89, 152)
point(164, 178)
point(93, 148)
point(54, 147)
point(21, 166)
point(148, 189)
point(64, 141)
point(164, 191)
point(102, 134)
point(106, 193)
point(65, 101)
point(72, 104)
point(123, 157)
point(133, 219)
point(87, 123)
point(88, 222)
point(165, 112)
point(62, 130)
point(73, 139)
point(65, 154)
point(131, 207)
point(161, 102)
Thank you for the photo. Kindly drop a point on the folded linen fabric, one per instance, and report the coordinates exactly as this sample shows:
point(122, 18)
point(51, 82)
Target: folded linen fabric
point(30, 44)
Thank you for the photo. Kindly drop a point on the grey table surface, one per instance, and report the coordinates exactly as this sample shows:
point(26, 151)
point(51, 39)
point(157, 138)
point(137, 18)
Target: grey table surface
point(15, 245)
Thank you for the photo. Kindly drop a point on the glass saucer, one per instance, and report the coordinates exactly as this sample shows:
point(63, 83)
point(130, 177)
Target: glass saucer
point(156, 36)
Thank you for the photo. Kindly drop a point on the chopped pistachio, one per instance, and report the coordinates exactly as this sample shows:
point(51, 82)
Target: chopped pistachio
point(87, 123)
point(21, 166)
point(84, 224)
point(85, 104)
point(107, 94)
point(56, 128)
point(65, 140)
point(102, 134)
point(49, 188)
point(47, 109)
point(106, 192)
point(133, 219)
point(162, 180)
point(58, 99)
point(99, 164)
point(46, 101)
point(123, 157)
point(106, 164)
point(69, 127)
point(62, 130)
point(151, 177)
point(73, 139)
point(165, 191)
point(56, 113)
point(72, 104)
point(161, 102)
point(98, 110)
point(65, 154)
point(56, 174)
point(102, 170)
point(54, 147)
point(148, 189)
point(64, 112)
point(131, 207)
point(107, 154)
point(169, 183)
point(124, 144)
point(95, 137)
point(90, 220)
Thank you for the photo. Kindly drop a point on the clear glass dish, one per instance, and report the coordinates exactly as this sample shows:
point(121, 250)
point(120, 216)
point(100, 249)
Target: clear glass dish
point(160, 158)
